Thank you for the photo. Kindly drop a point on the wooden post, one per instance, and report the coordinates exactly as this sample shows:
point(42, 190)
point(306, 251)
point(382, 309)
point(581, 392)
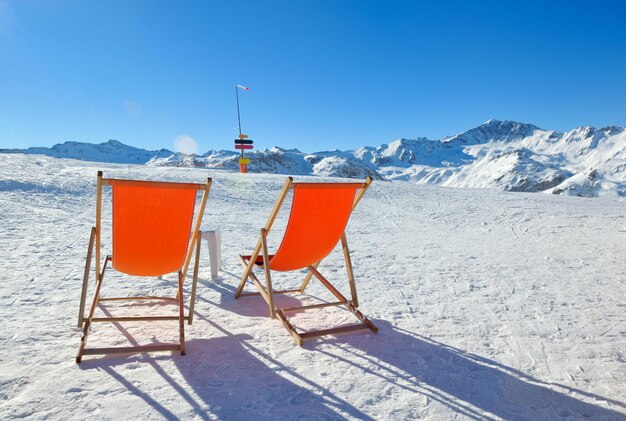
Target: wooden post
point(94, 304)
point(359, 195)
point(308, 276)
point(195, 236)
point(83, 294)
point(98, 223)
point(194, 282)
point(181, 313)
point(328, 285)
point(279, 202)
point(268, 278)
point(348, 260)
point(248, 271)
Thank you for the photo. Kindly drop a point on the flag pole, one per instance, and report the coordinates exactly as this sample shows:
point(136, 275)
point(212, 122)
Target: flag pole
point(238, 115)
point(242, 142)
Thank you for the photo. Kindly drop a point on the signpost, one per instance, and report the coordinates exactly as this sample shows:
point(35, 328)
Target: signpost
point(242, 143)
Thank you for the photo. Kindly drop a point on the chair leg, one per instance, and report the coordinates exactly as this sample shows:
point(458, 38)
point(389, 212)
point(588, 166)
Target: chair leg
point(87, 323)
point(290, 328)
point(248, 270)
point(352, 308)
point(308, 276)
point(348, 260)
point(83, 294)
point(181, 314)
point(194, 284)
point(268, 276)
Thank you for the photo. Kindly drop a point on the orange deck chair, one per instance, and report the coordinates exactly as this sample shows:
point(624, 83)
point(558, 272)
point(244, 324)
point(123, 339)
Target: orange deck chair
point(318, 219)
point(152, 236)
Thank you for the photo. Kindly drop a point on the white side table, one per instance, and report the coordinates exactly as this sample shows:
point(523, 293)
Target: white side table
point(214, 241)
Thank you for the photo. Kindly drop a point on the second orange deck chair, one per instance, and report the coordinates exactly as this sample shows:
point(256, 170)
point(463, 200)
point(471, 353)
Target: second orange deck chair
point(317, 222)
point(152, 236)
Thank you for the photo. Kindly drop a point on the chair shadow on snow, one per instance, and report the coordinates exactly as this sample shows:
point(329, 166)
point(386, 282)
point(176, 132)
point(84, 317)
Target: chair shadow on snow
point(465, 382)
point(232, 379)
point(229, 378)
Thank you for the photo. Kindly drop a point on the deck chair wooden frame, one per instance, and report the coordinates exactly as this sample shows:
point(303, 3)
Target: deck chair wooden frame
point(85, 322)
point(261, 258)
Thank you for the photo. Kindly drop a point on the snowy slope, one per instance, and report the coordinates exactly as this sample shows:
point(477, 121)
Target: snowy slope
point(491, 305)
point(506, 155)
point(511, 169)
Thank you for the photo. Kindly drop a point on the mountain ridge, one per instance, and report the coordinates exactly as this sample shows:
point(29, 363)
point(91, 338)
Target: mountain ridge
point(110, 151)
point(508, 155)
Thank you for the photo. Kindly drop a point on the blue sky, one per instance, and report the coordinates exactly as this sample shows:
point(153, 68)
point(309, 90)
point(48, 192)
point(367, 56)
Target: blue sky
point(322, 74)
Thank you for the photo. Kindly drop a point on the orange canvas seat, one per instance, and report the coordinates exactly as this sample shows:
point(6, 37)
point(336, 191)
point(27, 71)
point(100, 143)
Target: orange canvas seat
point(152, 235)
point(317, 222)
point(151, 226)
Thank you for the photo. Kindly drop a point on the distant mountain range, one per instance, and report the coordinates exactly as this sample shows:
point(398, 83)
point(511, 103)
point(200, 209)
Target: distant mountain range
point(111, 151)
point(507, 155)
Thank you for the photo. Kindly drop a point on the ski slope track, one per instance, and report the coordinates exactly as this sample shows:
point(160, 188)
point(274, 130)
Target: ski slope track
point(490, 304)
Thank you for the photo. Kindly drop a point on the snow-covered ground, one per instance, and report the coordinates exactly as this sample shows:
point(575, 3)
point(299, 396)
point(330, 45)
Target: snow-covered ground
point(490, 305)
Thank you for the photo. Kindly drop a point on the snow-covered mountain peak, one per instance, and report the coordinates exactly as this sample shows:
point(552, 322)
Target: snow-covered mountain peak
point(507, 126)
point(406, 143)
point(612, 130)
point(589, 131)
point(114, 143)
point(278, 149)
point(494, 131)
